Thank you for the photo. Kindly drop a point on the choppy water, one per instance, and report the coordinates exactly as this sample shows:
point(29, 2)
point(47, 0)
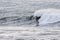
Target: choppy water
point(17, 12)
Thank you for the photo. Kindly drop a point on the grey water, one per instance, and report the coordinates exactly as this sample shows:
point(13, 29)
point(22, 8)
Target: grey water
point(17, 12)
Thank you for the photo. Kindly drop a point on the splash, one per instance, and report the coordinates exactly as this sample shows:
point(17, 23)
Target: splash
point(48, 16)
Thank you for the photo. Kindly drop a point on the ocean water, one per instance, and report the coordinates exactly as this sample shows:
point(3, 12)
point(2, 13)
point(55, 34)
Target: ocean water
point(18, 12)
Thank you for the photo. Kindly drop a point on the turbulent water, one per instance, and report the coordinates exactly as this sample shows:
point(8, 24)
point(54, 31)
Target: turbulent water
point(17, 12)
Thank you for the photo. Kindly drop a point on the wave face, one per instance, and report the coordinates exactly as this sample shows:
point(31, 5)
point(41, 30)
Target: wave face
point(17, 21)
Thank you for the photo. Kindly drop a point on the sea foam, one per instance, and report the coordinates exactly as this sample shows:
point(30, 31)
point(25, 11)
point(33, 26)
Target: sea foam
point(49, 15)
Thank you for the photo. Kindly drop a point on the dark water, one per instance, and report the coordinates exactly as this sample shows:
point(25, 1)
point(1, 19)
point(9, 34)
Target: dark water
point(17, 12)
point(17, 21)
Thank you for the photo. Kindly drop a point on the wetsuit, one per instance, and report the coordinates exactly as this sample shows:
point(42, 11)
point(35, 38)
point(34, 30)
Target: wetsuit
point(37, 18)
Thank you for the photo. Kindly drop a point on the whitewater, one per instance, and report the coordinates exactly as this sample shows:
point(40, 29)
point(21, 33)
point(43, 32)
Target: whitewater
point(48, 16)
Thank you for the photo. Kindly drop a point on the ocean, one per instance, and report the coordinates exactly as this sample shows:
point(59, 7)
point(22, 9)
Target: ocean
point(16, 22)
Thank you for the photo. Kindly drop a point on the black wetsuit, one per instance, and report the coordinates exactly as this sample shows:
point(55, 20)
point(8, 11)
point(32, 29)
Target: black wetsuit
point(37, 18)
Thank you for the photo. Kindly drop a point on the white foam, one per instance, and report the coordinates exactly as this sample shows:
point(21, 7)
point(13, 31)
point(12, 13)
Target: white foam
point(48, 15)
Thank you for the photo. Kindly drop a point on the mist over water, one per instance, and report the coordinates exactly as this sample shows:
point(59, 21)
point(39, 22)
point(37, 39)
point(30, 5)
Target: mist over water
point(17, 12)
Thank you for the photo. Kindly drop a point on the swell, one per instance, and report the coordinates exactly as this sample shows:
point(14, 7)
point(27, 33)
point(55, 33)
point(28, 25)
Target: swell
point(16, 20)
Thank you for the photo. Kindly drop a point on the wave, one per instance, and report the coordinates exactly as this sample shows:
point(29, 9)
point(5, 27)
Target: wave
point(49, 16)
point(16, 20)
